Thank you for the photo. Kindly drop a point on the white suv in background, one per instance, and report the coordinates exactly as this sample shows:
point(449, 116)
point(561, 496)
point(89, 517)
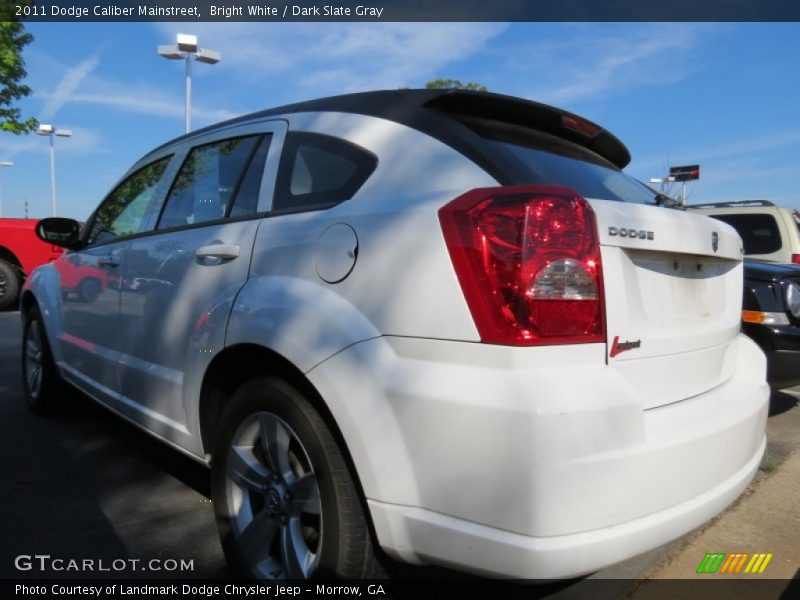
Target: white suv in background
point(770, 233)
point(444, 324)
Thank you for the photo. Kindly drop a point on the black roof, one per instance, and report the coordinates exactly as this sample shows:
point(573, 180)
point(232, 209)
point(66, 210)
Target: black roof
point(418, 109)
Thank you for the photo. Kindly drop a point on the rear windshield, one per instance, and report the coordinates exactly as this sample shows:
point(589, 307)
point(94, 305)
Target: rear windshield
point(547, 159)
point(759, 232)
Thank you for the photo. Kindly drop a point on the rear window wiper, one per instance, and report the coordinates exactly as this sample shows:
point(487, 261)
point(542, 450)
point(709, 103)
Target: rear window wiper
point(664, 200)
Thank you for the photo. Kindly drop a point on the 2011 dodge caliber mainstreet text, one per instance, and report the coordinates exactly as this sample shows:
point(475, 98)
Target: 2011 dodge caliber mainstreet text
point(410, 320)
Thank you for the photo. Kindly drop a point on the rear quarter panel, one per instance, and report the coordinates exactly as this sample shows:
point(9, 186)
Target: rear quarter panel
point(402, 283)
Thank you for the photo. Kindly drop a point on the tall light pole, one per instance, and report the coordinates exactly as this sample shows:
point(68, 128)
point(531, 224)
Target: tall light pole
point(3, 163)
point(188, 50)
point(50, 131)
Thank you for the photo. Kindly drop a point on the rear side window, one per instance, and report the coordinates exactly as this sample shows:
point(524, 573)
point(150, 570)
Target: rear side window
point(205, 187)
point(759, 233)
point(125, 209)
point(319, 171)
point(542, 158)
point(246, 201)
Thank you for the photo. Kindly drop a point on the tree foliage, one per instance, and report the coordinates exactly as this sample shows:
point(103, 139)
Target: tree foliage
point(455, 84)
point(13, 38)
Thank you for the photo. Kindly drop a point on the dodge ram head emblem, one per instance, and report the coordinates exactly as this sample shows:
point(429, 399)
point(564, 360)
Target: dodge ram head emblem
point(715, 241)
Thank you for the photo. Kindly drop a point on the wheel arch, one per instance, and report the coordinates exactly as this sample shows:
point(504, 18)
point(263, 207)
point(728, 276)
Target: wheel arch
point(9, 256)
point(26, 301)
point(237, 364)
point(17, 274)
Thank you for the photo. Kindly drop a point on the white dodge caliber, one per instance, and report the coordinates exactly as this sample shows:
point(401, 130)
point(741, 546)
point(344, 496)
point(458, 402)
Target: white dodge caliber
point(438, 326)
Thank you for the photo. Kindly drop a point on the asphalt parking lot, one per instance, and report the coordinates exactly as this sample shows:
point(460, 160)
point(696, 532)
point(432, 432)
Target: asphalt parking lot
point(85, 484)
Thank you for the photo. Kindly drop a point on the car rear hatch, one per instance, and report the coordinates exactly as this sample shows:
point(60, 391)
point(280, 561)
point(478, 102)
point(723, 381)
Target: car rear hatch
point(672, 279)
point(673, 289)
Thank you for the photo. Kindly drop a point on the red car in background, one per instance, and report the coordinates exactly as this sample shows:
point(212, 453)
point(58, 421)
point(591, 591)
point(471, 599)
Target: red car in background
point(86, 280)
point(20, 253)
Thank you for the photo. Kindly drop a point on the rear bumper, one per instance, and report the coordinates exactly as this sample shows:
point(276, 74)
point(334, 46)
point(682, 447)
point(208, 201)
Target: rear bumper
point(464, 545)
point(536, 462)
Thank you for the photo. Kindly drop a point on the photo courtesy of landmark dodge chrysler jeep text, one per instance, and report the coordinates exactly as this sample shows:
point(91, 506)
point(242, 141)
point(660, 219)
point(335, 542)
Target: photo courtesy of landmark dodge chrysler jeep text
point(400, 320)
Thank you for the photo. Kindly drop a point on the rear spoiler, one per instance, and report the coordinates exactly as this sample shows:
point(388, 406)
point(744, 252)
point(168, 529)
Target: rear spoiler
point(533, 115)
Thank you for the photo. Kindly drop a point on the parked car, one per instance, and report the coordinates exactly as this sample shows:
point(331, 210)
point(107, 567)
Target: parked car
point(770, 233)
point(20, 253)
point(771, 316)
point(445, 324)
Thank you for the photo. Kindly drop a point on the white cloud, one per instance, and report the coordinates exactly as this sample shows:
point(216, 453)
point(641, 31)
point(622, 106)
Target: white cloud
point(153, 104)
point(82, 85)
point(590, 63)
point(749, 147)
point(84, 141)
point(65, 88)
point(314, 59)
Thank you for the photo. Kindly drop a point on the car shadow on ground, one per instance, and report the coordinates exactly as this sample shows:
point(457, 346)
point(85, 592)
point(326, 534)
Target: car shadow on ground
point(780, 402)
point(82, 483)
point(94, 486)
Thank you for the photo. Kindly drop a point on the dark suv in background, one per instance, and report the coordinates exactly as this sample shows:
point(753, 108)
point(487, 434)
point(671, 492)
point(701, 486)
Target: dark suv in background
point(771, 316)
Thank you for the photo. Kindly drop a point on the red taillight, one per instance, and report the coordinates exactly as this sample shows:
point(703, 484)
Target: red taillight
point(796, 259)
point(528, 261)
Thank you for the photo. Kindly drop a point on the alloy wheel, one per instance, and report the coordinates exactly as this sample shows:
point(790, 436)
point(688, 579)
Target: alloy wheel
point(274, 499)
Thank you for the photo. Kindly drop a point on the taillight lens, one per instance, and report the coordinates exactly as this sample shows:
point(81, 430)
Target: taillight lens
point(528, 261)
point(796, 258)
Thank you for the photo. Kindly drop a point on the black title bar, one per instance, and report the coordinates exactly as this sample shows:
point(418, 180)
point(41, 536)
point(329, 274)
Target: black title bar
point(399, 10)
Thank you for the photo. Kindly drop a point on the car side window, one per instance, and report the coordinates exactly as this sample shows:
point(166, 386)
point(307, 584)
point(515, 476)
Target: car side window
point(318, 171)
point(759, 232)
point(124, 210)
point(246, 201)
point(206, 184)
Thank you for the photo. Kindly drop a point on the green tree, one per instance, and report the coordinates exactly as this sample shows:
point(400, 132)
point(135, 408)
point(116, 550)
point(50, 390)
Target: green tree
point(455, 84)
point(13, 38)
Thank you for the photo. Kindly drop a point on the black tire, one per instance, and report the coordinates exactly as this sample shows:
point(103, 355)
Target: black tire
point(9, 284)
point(339, 540)
point(43, 397)
point(88, 290)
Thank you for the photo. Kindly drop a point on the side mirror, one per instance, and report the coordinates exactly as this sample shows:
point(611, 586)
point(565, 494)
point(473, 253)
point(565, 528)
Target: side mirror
point(59, 232)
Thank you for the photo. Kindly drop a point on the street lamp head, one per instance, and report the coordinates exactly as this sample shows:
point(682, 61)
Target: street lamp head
point(6, 163)
point(171, 52)
point(45, 129)
point(205, 55)
point(64, 132)
point(186, 49)
point(187, 43)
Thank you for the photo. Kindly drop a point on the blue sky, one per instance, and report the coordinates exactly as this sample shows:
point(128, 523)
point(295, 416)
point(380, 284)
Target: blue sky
point(726, 96)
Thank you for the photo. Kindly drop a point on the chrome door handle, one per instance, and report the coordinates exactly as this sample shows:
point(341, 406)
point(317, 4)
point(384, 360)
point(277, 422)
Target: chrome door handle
point(222, 251)
point(108, 261)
